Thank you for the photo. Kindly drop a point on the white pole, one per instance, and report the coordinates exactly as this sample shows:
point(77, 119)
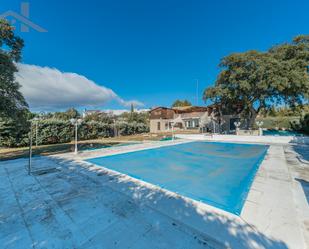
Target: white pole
point(173, 132)
point(76, 123)
point(75, 138)
point(30, 152)
point(36, 133)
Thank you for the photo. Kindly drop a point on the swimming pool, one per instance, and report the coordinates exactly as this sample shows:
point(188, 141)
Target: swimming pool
point(168, 138)
point(103, 146)
point(219, 174)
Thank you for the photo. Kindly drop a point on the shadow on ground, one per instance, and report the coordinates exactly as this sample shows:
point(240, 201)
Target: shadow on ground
point(301, 140)
point(305, 186)
point(212, 226)
point(302, 151)
point(91, 185)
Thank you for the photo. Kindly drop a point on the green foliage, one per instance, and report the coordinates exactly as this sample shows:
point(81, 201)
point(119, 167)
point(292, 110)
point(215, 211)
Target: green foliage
point(11, 100)
point(285, 111)
point(99, 117)
point(257, 81)
point(95, 129)
point(294, 64)
point(132, 128)
point(278, 122)
point(67, 115)
point(181, 103)
point(14, 130)
point(130, 123)
point(53, 130)
point(302, 125)
point(139, 117)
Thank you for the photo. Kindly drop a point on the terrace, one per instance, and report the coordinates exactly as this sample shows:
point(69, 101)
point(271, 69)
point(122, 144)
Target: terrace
point(68, 202)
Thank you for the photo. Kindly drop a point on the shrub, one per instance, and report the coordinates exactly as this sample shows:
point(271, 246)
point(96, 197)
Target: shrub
point(280, 122)
point(14, 131)
point(53, 131)
point(302, 125)
point(132, 128)
point(94, 129)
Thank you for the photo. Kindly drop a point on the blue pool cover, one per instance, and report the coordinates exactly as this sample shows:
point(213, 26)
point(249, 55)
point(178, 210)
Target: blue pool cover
point(219, 174)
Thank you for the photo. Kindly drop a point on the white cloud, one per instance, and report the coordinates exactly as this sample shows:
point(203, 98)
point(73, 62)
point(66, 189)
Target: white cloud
point(48, 88)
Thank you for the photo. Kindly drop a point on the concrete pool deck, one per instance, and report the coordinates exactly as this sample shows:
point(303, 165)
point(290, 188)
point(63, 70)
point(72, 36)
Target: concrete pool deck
point(79, 205)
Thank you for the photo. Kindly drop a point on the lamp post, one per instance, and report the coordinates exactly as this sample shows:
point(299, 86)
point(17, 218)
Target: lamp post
point(115, 128)
point(237, 124)
point(259, 124)
point(30, 151)
point(76, 123)
point(36, 122)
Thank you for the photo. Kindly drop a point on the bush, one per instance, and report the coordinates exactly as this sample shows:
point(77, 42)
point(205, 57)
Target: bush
point(53, 131)
point(132, 128)
point(14, 131)
point(60, 131)
point(280, 122)
point(94, 129)
point(302, 125)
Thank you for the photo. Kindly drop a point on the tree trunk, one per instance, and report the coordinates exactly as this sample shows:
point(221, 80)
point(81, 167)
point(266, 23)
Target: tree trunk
point(252, 116)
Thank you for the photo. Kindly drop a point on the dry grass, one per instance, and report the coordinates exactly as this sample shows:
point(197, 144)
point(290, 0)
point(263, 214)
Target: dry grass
point(13, 153)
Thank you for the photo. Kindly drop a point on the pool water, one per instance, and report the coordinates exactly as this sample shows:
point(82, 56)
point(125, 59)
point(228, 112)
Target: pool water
point(168, 138)
point(219, 174)
point(102, 146)
point(281, 133)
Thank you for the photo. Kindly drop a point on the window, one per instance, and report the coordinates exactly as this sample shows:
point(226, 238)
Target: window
point(159, 126)
point(197, 123)
point(192, 123)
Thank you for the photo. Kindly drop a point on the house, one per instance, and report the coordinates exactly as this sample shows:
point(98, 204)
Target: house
point(202, 118)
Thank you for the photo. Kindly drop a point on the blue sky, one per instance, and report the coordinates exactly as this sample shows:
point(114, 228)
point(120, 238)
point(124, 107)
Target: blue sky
point(153, 51)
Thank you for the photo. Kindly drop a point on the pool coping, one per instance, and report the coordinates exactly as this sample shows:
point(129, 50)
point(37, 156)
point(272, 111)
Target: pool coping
point(196, 220)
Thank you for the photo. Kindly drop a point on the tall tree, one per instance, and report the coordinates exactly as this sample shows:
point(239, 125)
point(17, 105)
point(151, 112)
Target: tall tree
point(14, 130)
point(254, 80)
point(294, 69)
point(181, 103)
point(11, 100)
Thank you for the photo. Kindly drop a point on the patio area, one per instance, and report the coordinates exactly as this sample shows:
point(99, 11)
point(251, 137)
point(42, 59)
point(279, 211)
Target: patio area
point(70, 204)
point(66, 208)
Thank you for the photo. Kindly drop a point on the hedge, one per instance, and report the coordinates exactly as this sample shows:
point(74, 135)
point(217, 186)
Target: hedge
point(280, 122)
point(53, 131)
